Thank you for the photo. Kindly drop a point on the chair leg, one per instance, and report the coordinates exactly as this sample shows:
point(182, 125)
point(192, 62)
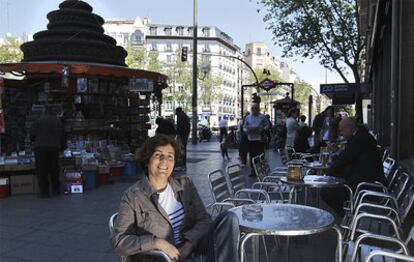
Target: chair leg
point(265, 248)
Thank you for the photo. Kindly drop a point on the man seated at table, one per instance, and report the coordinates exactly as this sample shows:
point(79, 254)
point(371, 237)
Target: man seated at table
point(360, 161)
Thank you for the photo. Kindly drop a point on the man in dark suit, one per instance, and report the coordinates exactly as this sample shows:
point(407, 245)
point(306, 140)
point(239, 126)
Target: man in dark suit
point(183, 131)
point(360, 161)
point(49, 139)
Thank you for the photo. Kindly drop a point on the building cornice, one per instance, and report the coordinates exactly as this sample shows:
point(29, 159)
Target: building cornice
point(164, 37)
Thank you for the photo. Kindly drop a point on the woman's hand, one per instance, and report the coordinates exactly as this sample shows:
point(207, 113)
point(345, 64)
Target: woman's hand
point(166, 247)
point(186, 250)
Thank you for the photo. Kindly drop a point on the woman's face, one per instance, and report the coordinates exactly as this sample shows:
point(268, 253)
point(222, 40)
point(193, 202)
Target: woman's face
point(162, 161)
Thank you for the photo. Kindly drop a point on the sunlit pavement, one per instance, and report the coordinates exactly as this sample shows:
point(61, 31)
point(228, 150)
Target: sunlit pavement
point(75, 227)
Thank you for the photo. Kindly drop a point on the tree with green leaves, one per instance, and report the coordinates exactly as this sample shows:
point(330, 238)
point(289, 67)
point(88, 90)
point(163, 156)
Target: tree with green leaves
point(136, 57)
point(302, 92)
point(139, 58)
point(209, 90)
point(10, 51)
point(180, 83)
point(327, 30)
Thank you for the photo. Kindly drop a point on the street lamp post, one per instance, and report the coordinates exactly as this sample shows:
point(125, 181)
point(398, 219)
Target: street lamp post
point(194, 100)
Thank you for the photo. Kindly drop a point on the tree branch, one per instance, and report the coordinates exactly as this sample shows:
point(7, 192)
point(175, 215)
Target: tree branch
point(324, 43)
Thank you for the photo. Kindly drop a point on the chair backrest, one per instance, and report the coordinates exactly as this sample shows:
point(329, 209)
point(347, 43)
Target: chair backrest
point(410, 238)
point(407, 202)
point(256, 164)
point(399, 183)
point(388, 164)
point(156, 253)
point(260, 166)
point(219, 186)
point(235, 178)
point(111, 223)
point(283, 156)
point(290, 151)
point(385, 153)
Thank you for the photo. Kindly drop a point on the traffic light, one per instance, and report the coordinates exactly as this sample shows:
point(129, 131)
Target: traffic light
point(184, 54)
point(255, 98)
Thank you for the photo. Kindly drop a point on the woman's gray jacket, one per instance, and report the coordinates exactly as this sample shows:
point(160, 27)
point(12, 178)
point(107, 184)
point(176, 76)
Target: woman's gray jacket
point(141, 218)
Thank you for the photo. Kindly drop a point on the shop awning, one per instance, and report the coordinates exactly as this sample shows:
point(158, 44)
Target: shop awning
point(90, 69)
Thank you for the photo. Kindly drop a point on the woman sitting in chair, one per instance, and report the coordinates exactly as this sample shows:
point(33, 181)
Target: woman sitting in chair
point(160, 212)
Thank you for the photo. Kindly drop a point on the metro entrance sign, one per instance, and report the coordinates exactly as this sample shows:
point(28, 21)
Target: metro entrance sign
point(338, 88)
point(341, 94)
point(267, 84)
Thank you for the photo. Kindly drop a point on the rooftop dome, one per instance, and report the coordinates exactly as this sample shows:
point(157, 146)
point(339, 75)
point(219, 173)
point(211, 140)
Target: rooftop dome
point(74, 33)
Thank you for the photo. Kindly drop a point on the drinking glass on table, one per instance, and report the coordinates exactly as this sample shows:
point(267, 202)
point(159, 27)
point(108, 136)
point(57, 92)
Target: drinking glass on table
point(324, 158)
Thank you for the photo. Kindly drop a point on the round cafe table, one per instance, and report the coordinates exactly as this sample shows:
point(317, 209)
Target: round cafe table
point(317, 182)
point(284, 220)
point(316, 165)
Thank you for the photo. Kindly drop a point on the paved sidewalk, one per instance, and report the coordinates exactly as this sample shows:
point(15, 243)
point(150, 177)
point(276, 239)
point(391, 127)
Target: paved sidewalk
point(75, 227)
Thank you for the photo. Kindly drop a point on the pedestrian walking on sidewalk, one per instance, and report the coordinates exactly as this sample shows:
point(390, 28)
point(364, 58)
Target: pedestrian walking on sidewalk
point(254, 125)
point(223, 125)
point(166, 213)
point(165, 127)
point(183, 131)
point(244, 142)
point(49, 139)
point(292, 127)
point(224, 148)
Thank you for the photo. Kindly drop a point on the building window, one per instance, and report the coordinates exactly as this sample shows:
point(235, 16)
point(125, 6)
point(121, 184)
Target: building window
point(168, 47)
point(180, 30)
point(206, 31)
point(206, 48)
point(258, 51)
point(153, 47)
point(153, 30)
point(168, 30)
point(169, 105)
point(190, 31)
point(137, 38)
point(169, 61)
point(125, 37)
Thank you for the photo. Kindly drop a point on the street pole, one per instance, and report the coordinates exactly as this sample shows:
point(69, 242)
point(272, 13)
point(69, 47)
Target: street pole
point(395, 73)
point(310, 102)
point(194, 100)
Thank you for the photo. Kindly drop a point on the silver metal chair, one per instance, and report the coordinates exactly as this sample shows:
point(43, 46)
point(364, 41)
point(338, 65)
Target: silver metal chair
point(379, 194)
point(389, 173)
point(156, 253)
point(388, 164)
point(370, 217)
point(221, 192)
point(265, 174)
point(360, 249)
point(238, 184)
point(383, 254)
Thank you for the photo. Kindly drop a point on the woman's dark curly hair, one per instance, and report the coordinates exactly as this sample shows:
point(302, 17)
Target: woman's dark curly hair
point(144, 153)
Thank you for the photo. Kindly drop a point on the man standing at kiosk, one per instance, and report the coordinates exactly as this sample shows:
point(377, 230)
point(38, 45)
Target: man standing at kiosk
point(49, 138)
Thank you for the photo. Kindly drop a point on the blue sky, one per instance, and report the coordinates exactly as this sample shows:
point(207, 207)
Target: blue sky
point(238, 18)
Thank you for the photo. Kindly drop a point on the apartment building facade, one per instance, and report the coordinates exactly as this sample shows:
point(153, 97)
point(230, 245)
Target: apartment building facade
point(168, 40)
point(257, 55)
